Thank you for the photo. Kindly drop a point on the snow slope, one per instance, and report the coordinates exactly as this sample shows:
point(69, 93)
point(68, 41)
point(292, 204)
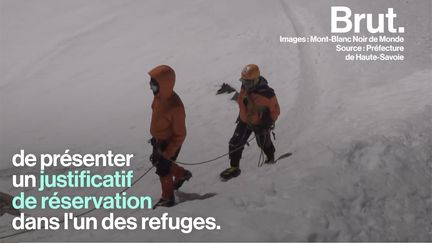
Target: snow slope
point(74, 75)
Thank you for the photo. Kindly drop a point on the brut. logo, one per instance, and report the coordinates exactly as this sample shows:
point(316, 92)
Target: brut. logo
point(341, 15)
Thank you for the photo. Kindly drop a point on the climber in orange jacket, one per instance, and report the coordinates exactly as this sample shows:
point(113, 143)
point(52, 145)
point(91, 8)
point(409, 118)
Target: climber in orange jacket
point(168, 130)
point(259, 110)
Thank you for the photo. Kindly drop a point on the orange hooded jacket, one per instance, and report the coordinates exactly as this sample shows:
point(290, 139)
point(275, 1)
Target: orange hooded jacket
point(168, 116)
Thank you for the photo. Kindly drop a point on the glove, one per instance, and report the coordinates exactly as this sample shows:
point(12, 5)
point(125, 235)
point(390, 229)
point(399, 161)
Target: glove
point(271, 126)
point(153, 142)
point(154, 157)
point(266, 120)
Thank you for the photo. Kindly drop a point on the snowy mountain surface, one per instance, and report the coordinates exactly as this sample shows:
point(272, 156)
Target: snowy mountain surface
point(74, 75)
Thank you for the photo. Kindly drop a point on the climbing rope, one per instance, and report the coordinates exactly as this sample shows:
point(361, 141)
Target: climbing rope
point(221, 156)
point(262, 157)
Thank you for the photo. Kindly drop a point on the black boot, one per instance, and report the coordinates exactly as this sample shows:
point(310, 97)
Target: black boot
point(230, 173)
point(180, 182)
point(165, 203)
point(270, 160)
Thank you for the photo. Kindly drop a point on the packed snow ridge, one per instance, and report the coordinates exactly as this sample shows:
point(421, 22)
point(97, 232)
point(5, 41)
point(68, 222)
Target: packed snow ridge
point(74, 75)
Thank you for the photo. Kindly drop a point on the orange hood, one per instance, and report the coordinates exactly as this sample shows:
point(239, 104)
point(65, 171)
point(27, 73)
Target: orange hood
point(165, 76)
